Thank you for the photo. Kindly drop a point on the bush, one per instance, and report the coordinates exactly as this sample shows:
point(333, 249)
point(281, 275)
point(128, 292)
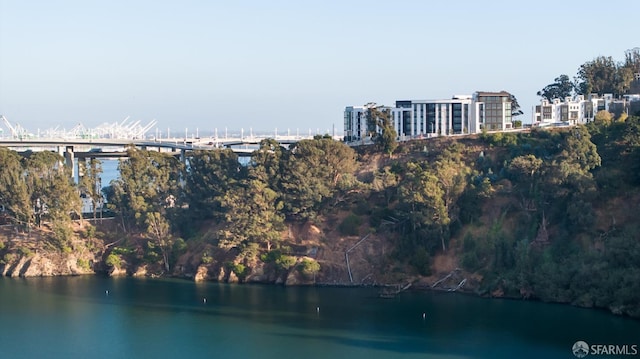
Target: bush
point(8, 258)
point(350, 225)
point(90, 232)
point(239, 269)
point(62, 235)
point(152, 253)
point(309, 267)
point(206, 258)
point(179, 248)
point(83, 263)
point(421, 261)
point(113, 261)
point(270, 256)
point(285, 262)
point(470, 261)
point(25, 252)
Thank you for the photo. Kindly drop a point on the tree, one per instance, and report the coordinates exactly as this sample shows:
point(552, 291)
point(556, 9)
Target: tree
point(208, 177)
point(89, 181)
point(603, 117)
point(515, 107)
point(53, 193)
point(525, 171)
point(311, 170)
point(422, 197)
point(147, 193)
point(561, 88)
point(253, 215)
point(603, 75)
point(386, 140)
point(158, 231)
point(148, 183)
point(266, 163)
point(453, 177)
point(14, 194)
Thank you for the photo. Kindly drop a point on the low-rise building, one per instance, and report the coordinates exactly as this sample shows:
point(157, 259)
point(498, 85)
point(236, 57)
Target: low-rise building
point(580, 110)
point(461, 114)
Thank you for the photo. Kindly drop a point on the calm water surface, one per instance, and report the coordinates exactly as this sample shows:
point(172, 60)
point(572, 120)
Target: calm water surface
point(96, 317)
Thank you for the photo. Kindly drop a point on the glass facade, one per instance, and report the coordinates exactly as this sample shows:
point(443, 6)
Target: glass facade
point(497, 111)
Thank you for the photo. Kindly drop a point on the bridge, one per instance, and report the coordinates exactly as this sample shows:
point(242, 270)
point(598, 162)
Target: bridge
point(81, 149)
point(110, 141)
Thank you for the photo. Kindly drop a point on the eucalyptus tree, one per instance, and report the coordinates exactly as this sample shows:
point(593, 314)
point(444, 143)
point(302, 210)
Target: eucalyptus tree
point(14, 194)
point(525, 171)
point(209, 175)
point(147, 193)
point(310, 174)
point(53, 194)
point(253, 215)
point(561, 88)
point(90, 182)
point(429, 194)
point(253, 207)
point(386, 140)
point(604, 75)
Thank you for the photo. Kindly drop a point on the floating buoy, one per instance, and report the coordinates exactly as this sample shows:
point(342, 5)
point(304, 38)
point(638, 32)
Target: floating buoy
point(204, 300)
point(106, 292)
point(317, 309)
point(424, 315)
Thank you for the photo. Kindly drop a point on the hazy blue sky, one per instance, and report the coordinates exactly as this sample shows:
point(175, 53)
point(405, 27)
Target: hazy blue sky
point(285, 64)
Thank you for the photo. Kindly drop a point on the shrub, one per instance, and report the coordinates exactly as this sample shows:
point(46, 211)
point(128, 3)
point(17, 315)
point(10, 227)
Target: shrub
point(25, 252)
point(206, 258)
point(350, 225)
point(83, 263)
point(8, 258)
point(470, 261)
point(90, 232)
point(421, 261)
point(239, 269)
point(285, 262)
point(62, 235)
point(113, 260)
point(309, 267)
point(271, 256)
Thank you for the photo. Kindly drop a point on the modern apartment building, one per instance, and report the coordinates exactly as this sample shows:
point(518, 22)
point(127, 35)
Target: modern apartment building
point(494, 110)
point(581, 109)
point(572, 111)
point(461, 114)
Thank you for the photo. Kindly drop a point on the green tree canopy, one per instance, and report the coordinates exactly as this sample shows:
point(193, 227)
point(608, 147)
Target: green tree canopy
point(561, 88)
point(310, 174)
point(14, 194)
point(208, 177)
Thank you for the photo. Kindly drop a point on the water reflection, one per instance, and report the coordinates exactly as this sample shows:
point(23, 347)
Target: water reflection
point(169, 318)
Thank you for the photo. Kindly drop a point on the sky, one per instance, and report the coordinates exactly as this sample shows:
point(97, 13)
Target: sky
point(286, 65)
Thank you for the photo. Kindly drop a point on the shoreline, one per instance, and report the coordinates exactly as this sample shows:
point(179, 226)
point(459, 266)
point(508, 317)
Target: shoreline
point(414, 288)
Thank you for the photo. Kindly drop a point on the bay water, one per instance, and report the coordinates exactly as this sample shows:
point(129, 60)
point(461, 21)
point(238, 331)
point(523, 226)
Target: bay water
point(100, 317)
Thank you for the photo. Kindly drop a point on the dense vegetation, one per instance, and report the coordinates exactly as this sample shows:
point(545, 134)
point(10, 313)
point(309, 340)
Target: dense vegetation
point(37, 188)
point(541, 214)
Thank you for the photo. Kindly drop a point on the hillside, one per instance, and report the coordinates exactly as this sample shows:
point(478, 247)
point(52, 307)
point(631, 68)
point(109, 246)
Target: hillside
point(546, 215)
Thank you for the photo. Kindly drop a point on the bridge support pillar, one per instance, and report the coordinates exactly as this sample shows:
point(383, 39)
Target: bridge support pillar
point(69, 160)
point(82, 166)
point(183, 156)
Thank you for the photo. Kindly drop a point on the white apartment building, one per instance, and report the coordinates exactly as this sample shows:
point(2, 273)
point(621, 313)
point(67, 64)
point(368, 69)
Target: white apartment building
point(580, 110)
point(570, 111)
point(462, 114)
